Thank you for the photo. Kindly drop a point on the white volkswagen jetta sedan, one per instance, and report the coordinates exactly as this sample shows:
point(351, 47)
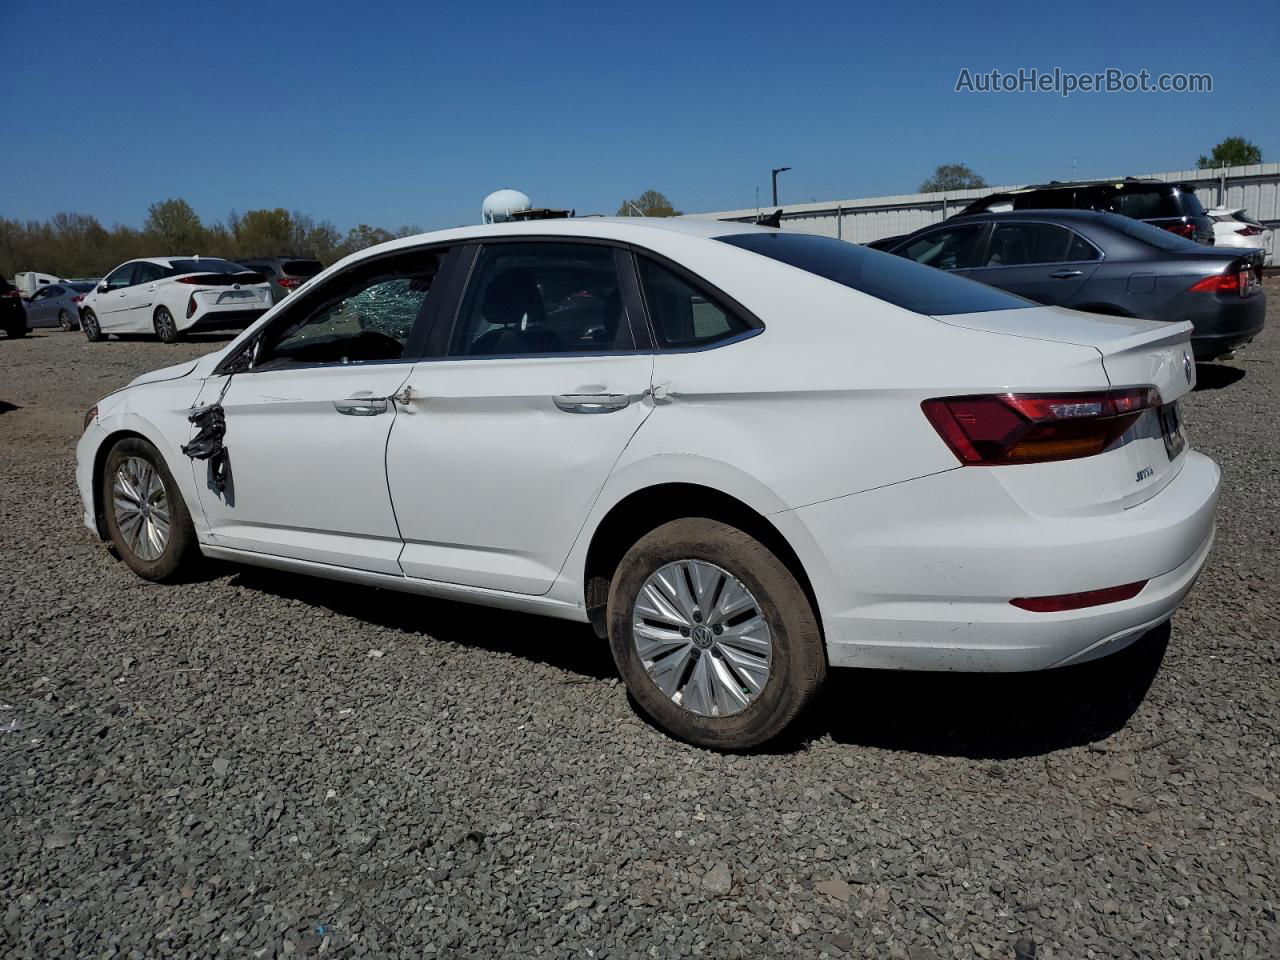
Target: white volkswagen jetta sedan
point(744, 455)
point(169, 296)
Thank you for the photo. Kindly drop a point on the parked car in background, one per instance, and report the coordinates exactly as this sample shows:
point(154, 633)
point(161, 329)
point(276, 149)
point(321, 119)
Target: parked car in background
point(30, 281)
point(170, 296)
point(13, 316)
point(1169, 206)
point(1104, 263)
point(58, 304)
point(285, 274)
point(1234, 227)
point(703, 438)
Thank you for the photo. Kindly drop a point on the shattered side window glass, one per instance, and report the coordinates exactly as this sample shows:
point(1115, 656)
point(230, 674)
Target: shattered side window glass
point(371, 322)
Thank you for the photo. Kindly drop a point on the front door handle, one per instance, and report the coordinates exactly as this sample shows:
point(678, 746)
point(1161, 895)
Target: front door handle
point(361, 406)
point(591, 402)
point(1066, 274)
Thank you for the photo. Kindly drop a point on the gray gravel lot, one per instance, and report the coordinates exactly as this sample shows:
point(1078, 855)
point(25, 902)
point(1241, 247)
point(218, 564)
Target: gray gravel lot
point(261, 765)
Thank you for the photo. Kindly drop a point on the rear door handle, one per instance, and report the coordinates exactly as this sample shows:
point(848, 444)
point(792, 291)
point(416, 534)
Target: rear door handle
point(361, 406)
point(591, 402)
point(1067, 274)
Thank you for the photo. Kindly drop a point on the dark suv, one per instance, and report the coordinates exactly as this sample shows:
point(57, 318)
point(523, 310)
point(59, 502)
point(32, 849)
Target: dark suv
point(1169, 206)
point(286, 274)
point(13, 315)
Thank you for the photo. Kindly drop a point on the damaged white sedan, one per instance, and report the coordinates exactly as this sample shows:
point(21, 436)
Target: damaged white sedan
point(744, 456)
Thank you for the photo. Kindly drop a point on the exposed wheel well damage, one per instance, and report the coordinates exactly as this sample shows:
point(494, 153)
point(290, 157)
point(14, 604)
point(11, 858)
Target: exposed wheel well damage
point(642, 511)
point(99, 461)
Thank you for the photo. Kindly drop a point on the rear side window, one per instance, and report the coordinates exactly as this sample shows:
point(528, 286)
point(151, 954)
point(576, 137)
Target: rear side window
point(896, 280)
point(1015, 244)
point(1082, 249)
point(683, 315)
point(526, 299)
point(301, 268)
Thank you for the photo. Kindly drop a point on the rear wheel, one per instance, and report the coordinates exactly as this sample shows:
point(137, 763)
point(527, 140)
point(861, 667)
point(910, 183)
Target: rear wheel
point(166, 328)
point(147, 518)
point(17, 328)
point(89, 324)
point(712, 634)
point(66, 321)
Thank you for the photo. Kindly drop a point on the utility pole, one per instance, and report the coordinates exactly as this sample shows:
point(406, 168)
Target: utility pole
point(775, 172)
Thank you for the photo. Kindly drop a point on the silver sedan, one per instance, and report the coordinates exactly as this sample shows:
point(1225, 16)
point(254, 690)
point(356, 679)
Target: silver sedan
point(58, 304)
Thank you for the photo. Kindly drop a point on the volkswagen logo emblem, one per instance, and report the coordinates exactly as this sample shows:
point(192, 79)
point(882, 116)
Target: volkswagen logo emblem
point(702, 636)
point(1188, 368)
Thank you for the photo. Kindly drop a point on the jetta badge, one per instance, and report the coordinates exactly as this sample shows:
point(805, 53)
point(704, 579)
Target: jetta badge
point(1187, 367)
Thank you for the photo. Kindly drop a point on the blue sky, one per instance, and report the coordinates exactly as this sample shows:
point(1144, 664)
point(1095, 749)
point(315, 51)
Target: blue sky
point(410, 113)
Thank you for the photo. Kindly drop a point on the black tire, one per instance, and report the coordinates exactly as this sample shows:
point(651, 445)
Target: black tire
point(89, 324)
point(798, 663)
point(181, 549)
point(166, 327)
point(66, 321)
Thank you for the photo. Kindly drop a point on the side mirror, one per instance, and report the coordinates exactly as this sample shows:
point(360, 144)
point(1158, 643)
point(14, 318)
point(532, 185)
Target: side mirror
point(102, 287)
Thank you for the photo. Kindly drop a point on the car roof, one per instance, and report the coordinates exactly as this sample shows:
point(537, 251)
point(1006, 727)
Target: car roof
point(1077, 216)
point(638, 230)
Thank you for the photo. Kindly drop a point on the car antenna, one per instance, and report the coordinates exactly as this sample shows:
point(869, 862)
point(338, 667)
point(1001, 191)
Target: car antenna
point(770, 220)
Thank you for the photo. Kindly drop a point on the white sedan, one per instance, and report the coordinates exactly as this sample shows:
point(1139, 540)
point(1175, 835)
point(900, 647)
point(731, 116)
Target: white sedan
point(1234, 227)
point(169, 296)
point(743, 455)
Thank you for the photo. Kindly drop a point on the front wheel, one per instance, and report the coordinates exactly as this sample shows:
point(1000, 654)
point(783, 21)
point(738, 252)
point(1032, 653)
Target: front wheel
point(166, 328)
point(713, 635)
point(89, 324)
point(66, 321)
point(147, 518)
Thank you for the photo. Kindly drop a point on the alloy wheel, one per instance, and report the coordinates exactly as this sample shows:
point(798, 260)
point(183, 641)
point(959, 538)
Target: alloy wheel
point(141, 508)
point(702, 638)
point(166, 329)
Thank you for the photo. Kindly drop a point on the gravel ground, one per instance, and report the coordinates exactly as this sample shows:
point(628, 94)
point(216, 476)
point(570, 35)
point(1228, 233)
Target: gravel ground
point(259, 765)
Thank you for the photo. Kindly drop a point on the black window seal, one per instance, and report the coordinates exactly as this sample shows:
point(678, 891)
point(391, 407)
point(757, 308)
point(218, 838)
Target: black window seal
point(413, 344)
point(441, 346)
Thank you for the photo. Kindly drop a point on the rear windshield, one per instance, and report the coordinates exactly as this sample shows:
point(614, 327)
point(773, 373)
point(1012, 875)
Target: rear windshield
point(902, 282)
point(301, 268)
point(1149, 203)
point(205, 265)
point(1154, 236)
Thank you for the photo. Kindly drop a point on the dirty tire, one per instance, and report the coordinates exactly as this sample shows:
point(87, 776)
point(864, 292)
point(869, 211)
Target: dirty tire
point(166, 328)
point(89, 324)
point(181, 551)
point(66, 321)
point(798, 663)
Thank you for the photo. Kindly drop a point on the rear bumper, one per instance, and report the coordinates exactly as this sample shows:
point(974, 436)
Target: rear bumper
point(1222, 321)
point(224, 319)
point(919, 575)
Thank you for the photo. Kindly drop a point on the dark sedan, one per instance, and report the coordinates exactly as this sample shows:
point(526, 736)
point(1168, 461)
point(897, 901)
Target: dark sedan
point(1103, 263)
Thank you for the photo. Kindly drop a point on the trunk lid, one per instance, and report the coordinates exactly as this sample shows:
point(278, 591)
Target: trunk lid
point(1133, 353)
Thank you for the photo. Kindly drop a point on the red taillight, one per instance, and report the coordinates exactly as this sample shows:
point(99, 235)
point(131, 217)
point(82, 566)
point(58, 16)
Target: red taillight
point(1187, 230)
point(1218, 283)
point(1248, 231)
point(290, 282)
point(1075, 601)
point(12, 293)
point(192, 280)
point(191, 305)
point(1008, 428)
point(78, 298)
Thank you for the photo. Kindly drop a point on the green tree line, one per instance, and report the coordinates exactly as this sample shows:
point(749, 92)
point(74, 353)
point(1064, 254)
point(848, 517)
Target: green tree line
point(77, 245)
